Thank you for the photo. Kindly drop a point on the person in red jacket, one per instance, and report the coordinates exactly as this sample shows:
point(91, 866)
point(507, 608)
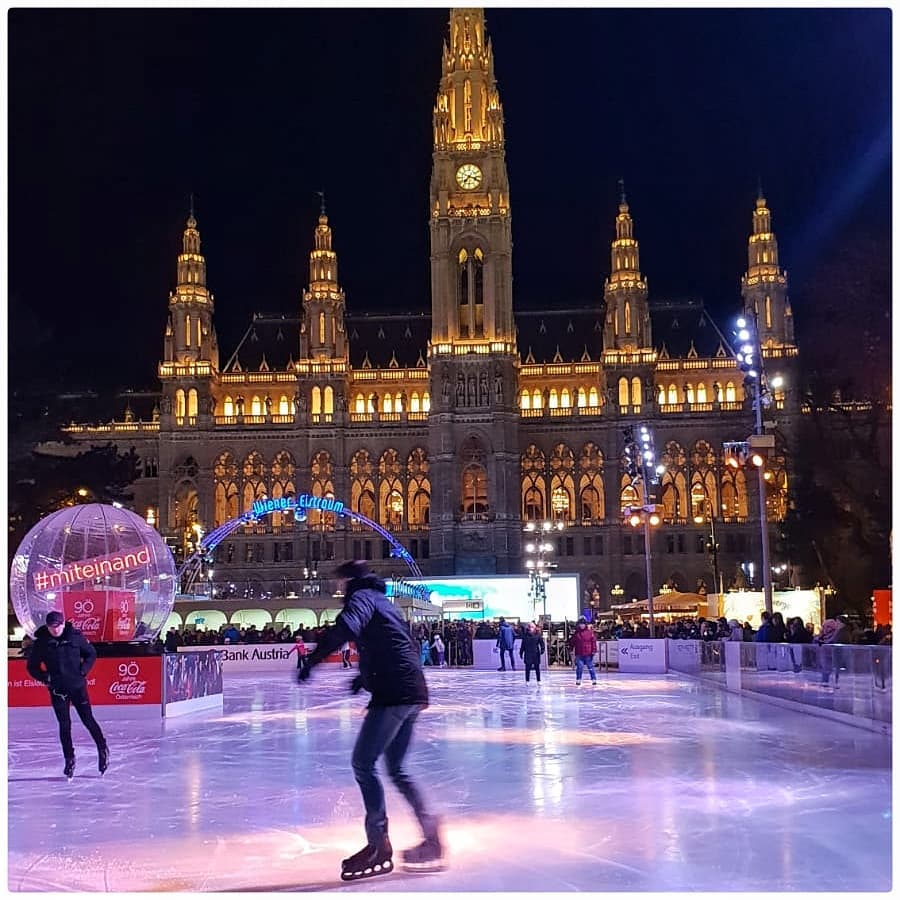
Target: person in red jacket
point(584, 645)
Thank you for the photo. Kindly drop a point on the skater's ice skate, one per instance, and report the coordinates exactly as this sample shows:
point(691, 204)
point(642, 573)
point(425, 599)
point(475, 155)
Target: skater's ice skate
point(427, 856)
point(370, 861)
point(103, 759)
point(69, 770)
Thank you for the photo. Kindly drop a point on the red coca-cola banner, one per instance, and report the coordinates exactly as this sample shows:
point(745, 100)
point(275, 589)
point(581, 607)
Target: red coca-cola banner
point(101, 614)
point(113, 681)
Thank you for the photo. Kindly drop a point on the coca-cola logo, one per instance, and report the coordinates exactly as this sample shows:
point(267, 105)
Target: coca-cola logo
point(91, 623)
point(128, 685)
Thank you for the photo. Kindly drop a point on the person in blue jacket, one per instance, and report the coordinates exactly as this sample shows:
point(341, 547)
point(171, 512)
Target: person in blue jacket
point(506, 641)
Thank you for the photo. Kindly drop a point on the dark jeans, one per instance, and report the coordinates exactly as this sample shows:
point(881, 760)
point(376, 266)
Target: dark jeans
point(512, 662)
point(61, 701)
point(387, 730)
point(536, 665)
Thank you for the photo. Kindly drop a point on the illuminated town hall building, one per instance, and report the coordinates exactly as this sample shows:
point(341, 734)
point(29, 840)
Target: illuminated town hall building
point(457, 428)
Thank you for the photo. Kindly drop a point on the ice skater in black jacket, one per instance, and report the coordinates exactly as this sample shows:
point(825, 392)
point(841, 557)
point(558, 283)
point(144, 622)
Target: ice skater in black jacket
point(390, 670)
point(61, 658)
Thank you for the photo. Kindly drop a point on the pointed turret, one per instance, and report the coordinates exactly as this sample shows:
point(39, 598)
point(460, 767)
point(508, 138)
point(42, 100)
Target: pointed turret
point(467, 113)
point(190, 336)
point(323, 335)
point(627, 325)
point(764, 285)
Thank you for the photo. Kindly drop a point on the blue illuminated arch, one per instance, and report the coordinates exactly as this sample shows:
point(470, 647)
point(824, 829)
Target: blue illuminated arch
point(299, 506)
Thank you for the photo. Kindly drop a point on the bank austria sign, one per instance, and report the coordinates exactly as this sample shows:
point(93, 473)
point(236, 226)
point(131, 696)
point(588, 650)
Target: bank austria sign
point(302, 502)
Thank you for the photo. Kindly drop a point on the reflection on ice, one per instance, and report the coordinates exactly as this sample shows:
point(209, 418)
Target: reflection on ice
point(644, 783)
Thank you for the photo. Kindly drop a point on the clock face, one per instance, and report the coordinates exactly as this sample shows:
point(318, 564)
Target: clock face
point(468, 177)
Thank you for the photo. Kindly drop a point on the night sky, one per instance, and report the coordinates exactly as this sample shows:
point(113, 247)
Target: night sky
point(116, 116)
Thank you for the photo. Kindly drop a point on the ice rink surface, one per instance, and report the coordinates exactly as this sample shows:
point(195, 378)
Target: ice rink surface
point(643, 783)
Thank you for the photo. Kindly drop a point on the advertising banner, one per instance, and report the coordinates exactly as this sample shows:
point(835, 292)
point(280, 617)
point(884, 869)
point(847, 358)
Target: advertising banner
point(238, 658)
point(100, 614)
point(113, 681)
point(193, 681)
point(641, 655)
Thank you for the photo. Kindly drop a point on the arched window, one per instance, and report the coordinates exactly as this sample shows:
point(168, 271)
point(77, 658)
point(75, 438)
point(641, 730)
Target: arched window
point(329, 400)
point(316, 400)
point(533, 484)
point(554, 399)
point(537, 399)
point(362, 486)
point(704, 480)
point(192, 402)
point(590, 484)
point(187, 329)
point(582, 397)
point(284, 406)
point(179, 405)
point(673, 484)
point(689, 388)
point(525, 400)
point(673, 394)
point(470, 292)
point(256, 407)
point(282, 481)
point(565, 399)
point(701, 393)
point(360, 403)
point(734, 494)
point(623, 392)
point(253, 483)
point(226, 490)
point(629, 494)
point(562, 483)
point(321, 328)
point(398, 402)
point(729, 392)
point(661, 396)
point(414, 402)
point(636, 391)
point(426, 401)
point(768, 311)
point(593, 397)
point(321, 471)
point(387, 403)
point(390, 490)
point(627, 317)
point(418, 488)
point(474, 485)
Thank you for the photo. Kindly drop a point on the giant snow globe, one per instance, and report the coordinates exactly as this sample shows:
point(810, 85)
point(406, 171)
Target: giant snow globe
point(104, 568)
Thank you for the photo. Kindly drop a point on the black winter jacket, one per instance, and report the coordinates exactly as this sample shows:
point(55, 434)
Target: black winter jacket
point(65, 660)
point(532, 647)
point(388, 657)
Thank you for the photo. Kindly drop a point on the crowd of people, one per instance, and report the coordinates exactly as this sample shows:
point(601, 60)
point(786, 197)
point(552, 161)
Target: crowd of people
point(450, 642)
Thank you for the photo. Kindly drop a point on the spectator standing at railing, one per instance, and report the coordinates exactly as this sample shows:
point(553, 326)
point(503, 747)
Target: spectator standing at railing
point(797, 634)
point(737, 631)
point(765, 634)
point(437, 645)
point(779, 630)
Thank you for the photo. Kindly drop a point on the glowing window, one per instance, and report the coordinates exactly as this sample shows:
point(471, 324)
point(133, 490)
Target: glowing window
point(321, 328)
point(360, 403)
point(387, 404)
point(329, 400)
point(192, 402)
point(623, 392)
point(316, 401)
point(690, 392)
point(525, 401)
point(582, 397)
point(565, 400)
point(426, 401)
point(537, 399)
point(414, 402)
point(179, 403)
point(228, 406)
point(701, 393)
point(554, 399)
point(187, 329)
point(673, 394)
point(636, 391)
point(627, 317)
point(729, 392)
point(256, 406)
point(593, 397)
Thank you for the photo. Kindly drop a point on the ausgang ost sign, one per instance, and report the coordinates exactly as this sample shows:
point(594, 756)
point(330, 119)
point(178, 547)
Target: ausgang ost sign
point(304, 501)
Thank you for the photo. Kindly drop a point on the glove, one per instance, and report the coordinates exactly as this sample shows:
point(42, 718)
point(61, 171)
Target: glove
point(357, 684)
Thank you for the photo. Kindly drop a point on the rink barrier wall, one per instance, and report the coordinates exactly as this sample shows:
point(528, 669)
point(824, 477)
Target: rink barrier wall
point(132, 686)
point(239, 658)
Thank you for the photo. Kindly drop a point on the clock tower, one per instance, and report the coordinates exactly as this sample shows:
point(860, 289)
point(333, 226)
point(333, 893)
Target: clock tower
point(474, 419)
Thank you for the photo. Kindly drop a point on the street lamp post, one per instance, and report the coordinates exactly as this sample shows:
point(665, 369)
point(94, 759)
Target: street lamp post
point(641, 468)
point(713, 545)
point(749, 359)
point(536, 563)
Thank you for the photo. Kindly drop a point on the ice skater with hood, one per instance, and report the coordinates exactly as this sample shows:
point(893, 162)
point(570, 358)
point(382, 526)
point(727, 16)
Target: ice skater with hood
point(61, 657)
point(390, 670)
